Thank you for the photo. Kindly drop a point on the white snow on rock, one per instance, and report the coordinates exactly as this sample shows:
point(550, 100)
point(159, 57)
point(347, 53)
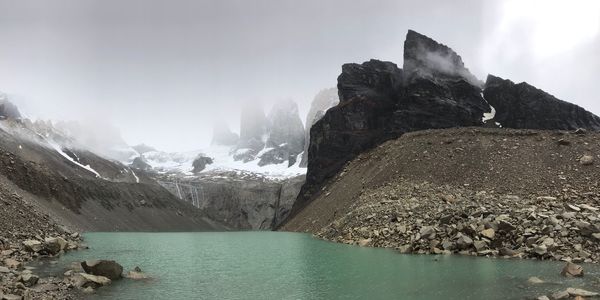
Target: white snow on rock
point(62, 153)
point(488, 116)
point(137, 179)
point(222, 161)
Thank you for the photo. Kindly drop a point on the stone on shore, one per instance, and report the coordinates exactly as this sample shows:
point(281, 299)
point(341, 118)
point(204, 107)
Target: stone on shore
point(84, 280)
point(29, 279)
point(581, 293)
point(33, 245)
point(55, 244)
point(12, 263)
point(586, 160)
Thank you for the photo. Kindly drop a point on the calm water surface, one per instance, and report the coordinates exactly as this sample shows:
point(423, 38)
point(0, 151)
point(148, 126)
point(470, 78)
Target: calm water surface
point(277, 265)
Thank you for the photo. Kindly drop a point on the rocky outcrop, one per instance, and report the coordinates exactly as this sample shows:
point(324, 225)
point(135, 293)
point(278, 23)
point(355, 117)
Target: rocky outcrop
point(223, 136)
point(379, 101)
point(324, 100)
point(425, 58)
point(278, 155)
point(285, 127)
point(434, 90)
point(524, 106)
point(200, 163)
point(243, 201)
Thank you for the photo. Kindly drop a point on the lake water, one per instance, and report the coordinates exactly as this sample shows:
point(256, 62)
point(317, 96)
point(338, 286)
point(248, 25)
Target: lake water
point(278, 265)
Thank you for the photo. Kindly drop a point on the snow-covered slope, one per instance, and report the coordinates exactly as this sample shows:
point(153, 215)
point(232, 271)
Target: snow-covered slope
point(222, 156)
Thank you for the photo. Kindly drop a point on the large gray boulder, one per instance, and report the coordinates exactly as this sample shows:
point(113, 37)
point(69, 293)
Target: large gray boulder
point(106, 268)
point(200, 163)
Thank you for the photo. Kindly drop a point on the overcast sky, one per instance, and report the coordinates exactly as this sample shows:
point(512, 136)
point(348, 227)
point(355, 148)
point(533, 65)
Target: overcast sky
point(164, 71)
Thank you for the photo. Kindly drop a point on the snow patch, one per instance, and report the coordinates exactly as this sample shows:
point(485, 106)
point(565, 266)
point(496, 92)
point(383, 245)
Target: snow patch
point(62, 153)
point(137, 179)
point(222, 161)
point(488, 116)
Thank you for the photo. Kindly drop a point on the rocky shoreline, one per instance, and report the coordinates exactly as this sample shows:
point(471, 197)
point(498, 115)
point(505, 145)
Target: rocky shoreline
point(26, 234)
point(430, 219)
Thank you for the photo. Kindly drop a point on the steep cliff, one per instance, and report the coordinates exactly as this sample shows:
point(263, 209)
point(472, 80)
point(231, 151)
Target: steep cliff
point(379, 101)
point(241, 201)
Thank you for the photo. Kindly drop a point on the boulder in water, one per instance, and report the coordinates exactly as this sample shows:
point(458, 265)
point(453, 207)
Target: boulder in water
point(107, 268)
point(572, 270)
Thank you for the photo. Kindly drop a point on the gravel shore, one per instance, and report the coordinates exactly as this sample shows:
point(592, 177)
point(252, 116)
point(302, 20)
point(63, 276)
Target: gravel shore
point(429, 219)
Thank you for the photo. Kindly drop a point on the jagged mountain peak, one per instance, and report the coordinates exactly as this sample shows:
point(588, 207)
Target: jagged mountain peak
point(521, 105)
point(425, 57)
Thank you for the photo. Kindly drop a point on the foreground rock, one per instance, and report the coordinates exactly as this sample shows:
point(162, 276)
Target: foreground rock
point(84, 280)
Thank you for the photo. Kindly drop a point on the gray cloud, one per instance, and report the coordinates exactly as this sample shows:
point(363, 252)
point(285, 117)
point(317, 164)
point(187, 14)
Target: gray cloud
point(164, 71)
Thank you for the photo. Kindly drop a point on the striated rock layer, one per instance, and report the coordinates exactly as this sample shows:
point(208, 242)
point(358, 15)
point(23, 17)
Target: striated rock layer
point(245, 201)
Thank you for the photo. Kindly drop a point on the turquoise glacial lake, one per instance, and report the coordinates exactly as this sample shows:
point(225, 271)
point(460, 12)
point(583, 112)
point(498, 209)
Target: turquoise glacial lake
point(280, 265)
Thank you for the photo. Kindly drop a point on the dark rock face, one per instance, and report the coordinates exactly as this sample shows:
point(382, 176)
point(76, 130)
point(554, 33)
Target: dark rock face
point(222, 135)
point(323, 101)
point(278, 155)
point(200, 163)
point(426, 58)
point(253, 128)
point(7, 109)
point(285, 127)
point(524, 106)
point(107, 268)
point(379, 101)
